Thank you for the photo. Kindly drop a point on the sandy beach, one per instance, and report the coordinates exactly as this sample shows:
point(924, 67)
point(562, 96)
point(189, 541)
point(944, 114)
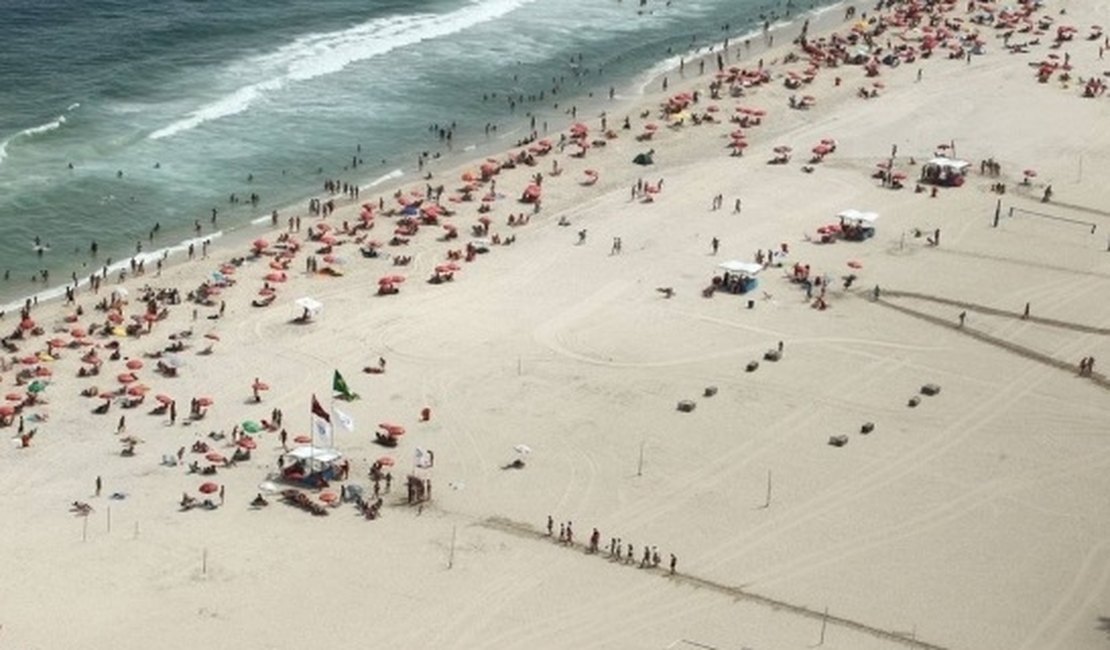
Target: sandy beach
point(973, 518)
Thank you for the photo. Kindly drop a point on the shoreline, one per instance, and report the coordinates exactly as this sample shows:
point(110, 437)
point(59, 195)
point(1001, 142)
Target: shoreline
point(226, 240)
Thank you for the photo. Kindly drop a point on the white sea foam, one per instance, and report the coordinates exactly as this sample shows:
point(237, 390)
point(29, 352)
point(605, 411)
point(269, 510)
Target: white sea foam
point(316, 55)
point(396, 173)
point(42, 128)
point(30, 131)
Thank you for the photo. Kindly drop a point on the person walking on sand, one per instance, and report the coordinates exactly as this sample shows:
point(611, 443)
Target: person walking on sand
point(674, 563)
point(550, 525)
point(736, 207)
point(963, 316)
point(562, 533)
point(582, 236)
point(715, 244)
point(99, 485)
point(221, 495)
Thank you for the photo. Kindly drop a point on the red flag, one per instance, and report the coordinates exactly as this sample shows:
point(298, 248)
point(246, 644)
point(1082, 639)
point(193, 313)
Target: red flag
point(319, 411)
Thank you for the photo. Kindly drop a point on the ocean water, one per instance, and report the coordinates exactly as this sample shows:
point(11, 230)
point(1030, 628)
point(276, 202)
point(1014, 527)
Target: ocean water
point(164, 109)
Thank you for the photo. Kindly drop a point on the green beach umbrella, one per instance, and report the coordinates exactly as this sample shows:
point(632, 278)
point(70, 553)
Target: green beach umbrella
point(36, 387)
point(250, 426)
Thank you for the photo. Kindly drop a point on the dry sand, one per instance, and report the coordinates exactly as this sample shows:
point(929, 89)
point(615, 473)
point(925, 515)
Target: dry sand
point(976, 520)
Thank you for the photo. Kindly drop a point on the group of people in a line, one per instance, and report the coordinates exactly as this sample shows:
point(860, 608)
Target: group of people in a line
point(618, 551)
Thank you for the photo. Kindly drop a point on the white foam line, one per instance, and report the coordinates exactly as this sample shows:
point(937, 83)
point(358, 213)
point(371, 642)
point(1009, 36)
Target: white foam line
point(396, 173)
point(315, 55)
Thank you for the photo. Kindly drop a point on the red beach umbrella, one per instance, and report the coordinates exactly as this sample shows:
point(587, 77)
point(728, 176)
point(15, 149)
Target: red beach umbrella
point(209, 488)
point(215, 457)
point(393, 429)
point(134, 364)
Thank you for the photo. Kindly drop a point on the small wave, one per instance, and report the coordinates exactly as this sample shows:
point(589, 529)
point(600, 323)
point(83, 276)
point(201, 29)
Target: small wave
point(42, 128)
point(74, 106)
point(56, 123)
point(396, 173)
point(316, 55)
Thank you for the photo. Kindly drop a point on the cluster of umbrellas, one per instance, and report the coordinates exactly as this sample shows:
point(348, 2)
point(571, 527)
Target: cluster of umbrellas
point(744, 78)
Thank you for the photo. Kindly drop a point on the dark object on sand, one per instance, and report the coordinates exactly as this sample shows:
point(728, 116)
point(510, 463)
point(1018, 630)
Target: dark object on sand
point(867, 427)
point(686, 405)
point(710, 391)
point(914, 401)
point(838, 441)
point(930, 389)
point(516, 464)
point(772, 355)
point(752, 366)
point(645, 158)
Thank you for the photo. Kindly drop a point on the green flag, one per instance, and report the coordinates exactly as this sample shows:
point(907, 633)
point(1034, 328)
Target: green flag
point(338, 385)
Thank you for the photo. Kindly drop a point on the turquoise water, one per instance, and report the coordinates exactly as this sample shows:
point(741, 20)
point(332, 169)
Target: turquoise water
point(165, 109)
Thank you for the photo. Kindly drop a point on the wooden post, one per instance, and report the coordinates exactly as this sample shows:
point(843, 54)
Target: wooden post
point(767, 504)
point(997, 212)
point(640, 466)
point(824, 624)
point(451, 556)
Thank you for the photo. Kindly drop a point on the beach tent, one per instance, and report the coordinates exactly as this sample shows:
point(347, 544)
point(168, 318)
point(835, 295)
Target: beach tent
point(945, 171)
point(857, 225)
point(738, 277)
point(311, 466)
point(314, 455)
point(737, 267)
point(852, 215)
